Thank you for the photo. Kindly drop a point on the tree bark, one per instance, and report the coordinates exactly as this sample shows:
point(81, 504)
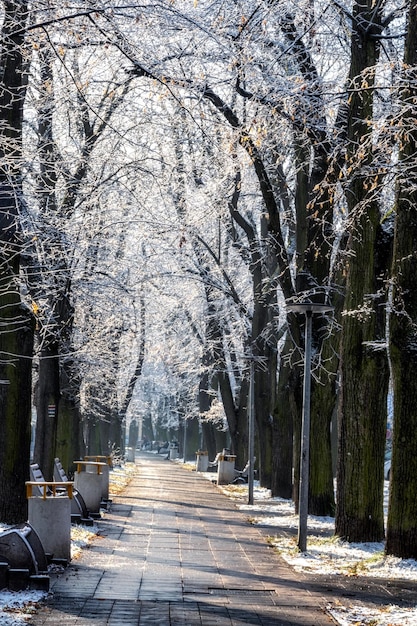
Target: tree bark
point(364, 366)
point(402, 514)
point(314, 237)
point(47, 404)
point(282, 433)
point(16, 321)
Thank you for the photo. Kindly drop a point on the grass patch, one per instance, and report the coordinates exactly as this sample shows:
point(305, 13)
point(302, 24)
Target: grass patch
point(81, 537)
point(235, 491)
point(120, 478)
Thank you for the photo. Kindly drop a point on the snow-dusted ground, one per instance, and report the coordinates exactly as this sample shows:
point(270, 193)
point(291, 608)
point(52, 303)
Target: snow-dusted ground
point(325, 555)
point(16, 608)
point(328, 555)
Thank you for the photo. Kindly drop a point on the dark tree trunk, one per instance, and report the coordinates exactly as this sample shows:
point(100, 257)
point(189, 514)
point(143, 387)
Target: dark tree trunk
point(321, 499)
point(402, 515)
point(282, 475)
point(147, 430)
point(133, 434)
point(205, 399)
point(114, 438)
point(15, 408)
point(115, 435)
point(191, 438)
point(54, 320)
point(364, 367)
point(323, 451)
point(47, 405)
point(16, 337)
point(70, 444)
point(264, 393)
point(208, 439)
point(268, 256)
point(314, 240)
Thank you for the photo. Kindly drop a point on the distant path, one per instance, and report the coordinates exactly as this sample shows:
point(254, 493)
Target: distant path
point(175, 551)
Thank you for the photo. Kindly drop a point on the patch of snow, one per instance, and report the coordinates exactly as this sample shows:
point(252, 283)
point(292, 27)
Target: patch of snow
point(17, 607)
point(391, 615)
point(327, 555)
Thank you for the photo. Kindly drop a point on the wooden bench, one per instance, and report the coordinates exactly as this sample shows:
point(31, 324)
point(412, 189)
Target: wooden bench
point(100, 458)
point(242, 476)
point(49, 488)
point(60, 475)
point(60, 486)
point(97, 466)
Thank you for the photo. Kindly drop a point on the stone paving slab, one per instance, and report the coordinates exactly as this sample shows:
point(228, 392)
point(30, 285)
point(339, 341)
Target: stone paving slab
point(174, 551)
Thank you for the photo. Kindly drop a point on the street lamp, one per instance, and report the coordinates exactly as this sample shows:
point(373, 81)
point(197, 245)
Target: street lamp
point(298, 305)
point(251, 430)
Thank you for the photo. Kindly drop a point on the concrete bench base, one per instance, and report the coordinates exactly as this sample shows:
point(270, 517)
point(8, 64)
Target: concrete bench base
point(90, 486)
point(226, 470)
point(202, 462)
point(51, 518)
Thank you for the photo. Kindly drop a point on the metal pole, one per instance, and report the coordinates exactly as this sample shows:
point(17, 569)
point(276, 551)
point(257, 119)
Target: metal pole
point(251, 430)
point(305, 438)
point(184, 443)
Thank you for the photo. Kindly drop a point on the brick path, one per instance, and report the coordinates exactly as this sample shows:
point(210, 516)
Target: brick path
point(174, 551)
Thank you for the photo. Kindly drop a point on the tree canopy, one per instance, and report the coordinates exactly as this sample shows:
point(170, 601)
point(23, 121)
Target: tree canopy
point(172, 173)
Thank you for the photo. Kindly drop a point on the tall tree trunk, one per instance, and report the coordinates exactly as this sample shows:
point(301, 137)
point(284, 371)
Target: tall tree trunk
point(16, 337)
point(54, 320)
point(282, 442)
point(191, 438)
point(402, 515)
point(364, 366)
point(314, 241)
point(268, 258)
point(264, 392)
point(137, 372)
point(205, 400)
point(115, 434)
point(69, 439)
point(47, 405)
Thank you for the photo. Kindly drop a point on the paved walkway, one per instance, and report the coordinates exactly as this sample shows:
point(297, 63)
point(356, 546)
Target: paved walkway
point(174, 551)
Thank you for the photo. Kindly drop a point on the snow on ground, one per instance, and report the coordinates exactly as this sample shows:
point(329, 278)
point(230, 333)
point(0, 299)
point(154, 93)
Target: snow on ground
point(327, 554)
point(16, 608)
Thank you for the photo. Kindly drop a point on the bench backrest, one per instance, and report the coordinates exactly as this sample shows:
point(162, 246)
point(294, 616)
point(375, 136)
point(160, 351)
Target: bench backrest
point(59, 472)
point(36, 472)
point(37, 476)
point(245, 470)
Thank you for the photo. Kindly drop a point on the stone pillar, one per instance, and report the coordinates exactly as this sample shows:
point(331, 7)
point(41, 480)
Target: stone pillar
point(226, 469)
point(51, 519)
point(105, 471)
point(130, 454)
point(88, 480)
point(202, 461)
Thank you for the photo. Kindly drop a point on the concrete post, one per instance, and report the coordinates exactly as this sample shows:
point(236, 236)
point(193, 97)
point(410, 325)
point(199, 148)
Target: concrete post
point(51, 518)
point(90, 484)
point(202, 461)
point(226, 469)
point(130, 454)
point(105, 472)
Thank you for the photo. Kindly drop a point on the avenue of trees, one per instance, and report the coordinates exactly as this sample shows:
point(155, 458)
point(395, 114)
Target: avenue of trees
point(171, 175)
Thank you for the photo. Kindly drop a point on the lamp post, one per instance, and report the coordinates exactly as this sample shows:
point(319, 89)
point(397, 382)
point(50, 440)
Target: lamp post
point(251, 430)
point(309, 309)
